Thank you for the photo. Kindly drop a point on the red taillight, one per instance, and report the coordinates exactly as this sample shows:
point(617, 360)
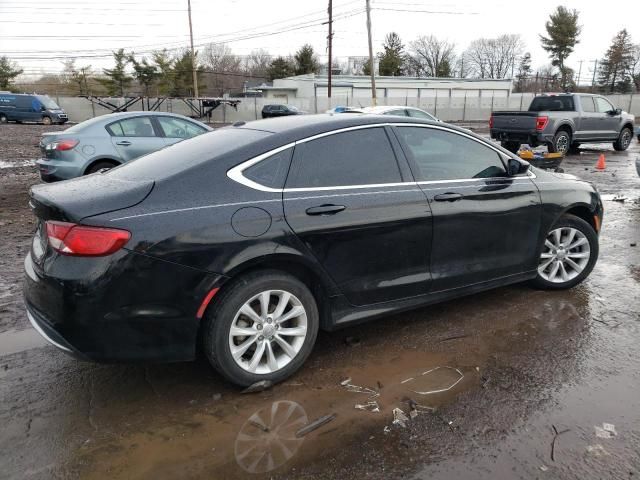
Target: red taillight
point(491, 121)
point(62, 145)
point(84, 241)
point(541, 122)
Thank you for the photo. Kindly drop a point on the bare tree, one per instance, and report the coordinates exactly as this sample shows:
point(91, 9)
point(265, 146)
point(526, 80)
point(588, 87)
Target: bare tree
point(494, 57)
point(431, 57)
point(257, 63)
point(222, 69)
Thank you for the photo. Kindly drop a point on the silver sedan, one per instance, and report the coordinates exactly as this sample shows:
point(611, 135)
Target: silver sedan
point(110, 140)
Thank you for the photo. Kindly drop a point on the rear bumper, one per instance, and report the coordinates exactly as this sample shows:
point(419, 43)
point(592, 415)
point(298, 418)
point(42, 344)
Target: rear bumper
point(52, 170)
point(532, 138)
point(121, 308)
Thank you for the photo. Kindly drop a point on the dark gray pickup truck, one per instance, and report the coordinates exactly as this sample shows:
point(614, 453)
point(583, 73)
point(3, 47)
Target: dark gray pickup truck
point(563, 122)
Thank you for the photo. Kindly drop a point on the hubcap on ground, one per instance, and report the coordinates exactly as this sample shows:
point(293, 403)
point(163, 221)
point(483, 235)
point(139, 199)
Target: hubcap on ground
point(268, 331)
point(565, 255)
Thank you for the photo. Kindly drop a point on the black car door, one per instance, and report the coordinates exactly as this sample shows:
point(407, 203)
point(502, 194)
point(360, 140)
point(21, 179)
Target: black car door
point(486, 225)
point(360, 213)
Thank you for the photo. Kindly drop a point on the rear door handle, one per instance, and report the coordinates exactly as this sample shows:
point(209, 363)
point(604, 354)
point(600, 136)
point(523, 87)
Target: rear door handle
point(447, 197)
point(325, 209)
point(124, 143)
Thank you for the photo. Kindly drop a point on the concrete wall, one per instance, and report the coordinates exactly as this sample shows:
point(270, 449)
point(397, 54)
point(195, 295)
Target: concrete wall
point(448, 105)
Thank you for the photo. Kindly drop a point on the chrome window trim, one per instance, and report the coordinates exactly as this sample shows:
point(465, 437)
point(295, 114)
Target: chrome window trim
point(236, 173)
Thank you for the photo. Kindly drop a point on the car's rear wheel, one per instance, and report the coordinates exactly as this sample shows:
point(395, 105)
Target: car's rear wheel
point(47, 120)
point(624, 140)
point(102, 165)
point(262, 327)
point(568, 255)
point(561, 142)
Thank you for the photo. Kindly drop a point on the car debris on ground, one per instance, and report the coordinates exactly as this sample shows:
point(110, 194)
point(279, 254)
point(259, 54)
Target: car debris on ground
point(315, 425)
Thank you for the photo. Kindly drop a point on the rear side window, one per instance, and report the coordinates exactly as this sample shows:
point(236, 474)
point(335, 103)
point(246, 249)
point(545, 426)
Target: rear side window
point(272, 171)
point(552, 104)
point(587, 104)
point(357, 157)
point(441, 155)
point(132, 127)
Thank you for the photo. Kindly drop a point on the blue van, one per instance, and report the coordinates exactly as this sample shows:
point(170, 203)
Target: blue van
point(16, 107)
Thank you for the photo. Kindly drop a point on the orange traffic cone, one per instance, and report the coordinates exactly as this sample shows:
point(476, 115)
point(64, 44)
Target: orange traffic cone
point(602, 164)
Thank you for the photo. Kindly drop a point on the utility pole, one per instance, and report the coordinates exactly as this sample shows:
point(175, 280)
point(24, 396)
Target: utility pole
point(371, 65)
point(595, 69)
point(330, 51)
point(579, 73)
point(193, 54)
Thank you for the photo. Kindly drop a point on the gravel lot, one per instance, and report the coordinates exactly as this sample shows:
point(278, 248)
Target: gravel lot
point(540, 370)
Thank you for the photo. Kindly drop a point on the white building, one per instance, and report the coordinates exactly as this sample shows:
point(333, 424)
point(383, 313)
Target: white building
point(352, 88)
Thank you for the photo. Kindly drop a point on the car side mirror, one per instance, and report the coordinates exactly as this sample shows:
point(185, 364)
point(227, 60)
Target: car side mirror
point(616, 111)
point(43, 108)
point(517, 167)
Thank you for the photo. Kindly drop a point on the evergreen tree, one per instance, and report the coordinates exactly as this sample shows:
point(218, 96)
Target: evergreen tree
point(280, 67)
point(117, 79)
point(306, 60)
point(8, 71)
point(183, 75)
point(616, 69)
point(393, 57)
point(166, 73)
point(524, 72)
point(145, 73)
point(563, 32)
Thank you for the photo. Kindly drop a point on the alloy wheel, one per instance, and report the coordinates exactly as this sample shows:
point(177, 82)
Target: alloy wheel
point(562, 144)
point(626, 139)
point(268, 331)
point(565, 255)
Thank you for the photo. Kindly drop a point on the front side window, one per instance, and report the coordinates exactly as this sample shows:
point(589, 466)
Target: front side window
point(442, 155)
point(356, 157)
point(132, 127)
point(179, 128)
point(603, 105)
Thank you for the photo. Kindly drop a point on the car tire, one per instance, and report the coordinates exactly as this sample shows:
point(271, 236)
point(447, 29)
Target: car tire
point(3, 118)
point(561, 142)
point(566, 266)
point(624, 140)
point(264, 357)
point(46, 120)
point(513, 147)
point(102, 165)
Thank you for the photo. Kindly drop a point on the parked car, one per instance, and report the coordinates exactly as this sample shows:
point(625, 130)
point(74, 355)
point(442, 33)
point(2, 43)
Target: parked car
point(269, 111)
point(563, 122)
point(110, 140)
point(16, 107)
point(253, 237)
point(400, 110)
point(638, 132)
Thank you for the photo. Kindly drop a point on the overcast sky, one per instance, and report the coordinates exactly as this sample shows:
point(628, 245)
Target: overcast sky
point(49, 31)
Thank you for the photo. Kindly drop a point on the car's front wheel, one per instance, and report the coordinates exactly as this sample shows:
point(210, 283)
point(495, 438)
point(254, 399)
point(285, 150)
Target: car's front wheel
point(624, 140)
point(262, 327)
point(568, 255)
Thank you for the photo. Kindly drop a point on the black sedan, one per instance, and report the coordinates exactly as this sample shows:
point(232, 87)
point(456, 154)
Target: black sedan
point(252, 237)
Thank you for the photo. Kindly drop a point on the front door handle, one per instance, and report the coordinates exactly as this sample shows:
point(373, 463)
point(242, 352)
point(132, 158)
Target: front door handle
point(447, 197)
point(325, 209)
point(124, 143)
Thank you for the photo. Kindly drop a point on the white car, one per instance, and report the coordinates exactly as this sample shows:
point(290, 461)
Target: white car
point(397, 110)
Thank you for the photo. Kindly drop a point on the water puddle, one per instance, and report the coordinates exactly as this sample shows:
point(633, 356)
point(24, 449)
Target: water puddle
point(14, 341)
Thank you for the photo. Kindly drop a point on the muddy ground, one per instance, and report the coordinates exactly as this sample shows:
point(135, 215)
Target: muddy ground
point(526, 375)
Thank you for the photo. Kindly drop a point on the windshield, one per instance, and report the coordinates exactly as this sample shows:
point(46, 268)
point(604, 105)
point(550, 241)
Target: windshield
point(47, 102)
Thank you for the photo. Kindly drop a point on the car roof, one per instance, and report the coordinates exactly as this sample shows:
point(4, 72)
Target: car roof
point(295, 127)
